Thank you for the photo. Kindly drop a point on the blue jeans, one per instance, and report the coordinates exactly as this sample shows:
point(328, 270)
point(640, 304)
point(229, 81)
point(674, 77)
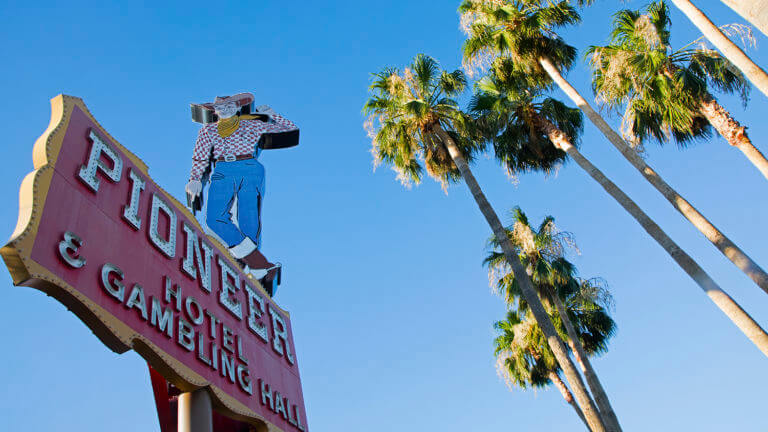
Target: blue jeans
point(234, 201)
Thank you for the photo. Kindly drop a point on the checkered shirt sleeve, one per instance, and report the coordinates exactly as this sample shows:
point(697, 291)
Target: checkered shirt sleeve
point(281, 124)
point(202, 152)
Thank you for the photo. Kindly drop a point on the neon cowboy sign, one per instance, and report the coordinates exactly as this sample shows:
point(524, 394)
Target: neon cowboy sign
point(96, 233)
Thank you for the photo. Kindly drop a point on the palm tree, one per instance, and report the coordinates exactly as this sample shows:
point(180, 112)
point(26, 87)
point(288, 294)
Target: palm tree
point(541, 251)
point(524, 359)
point(525, 32)
point(580, 312)
point(666, 90)
point(729, 49)
point(502, 97)
point(413, 119)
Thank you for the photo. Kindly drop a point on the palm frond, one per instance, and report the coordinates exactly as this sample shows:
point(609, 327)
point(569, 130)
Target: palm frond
point(521, 30)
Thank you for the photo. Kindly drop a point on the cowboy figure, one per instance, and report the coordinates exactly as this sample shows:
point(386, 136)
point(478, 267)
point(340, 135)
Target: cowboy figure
point(230, 148)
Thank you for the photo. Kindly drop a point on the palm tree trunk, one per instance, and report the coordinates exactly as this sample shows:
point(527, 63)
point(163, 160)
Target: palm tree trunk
point(526, 287)
point(721, 299)
point(578, 358)
point(733, 132)
point(603, 404)
point(558, 382)
point(721, 242)
point(729, 49)
point(754, 11)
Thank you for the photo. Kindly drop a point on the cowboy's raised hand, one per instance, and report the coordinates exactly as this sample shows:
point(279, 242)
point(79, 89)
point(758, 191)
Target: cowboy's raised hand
point(194, 187)
point(265, 109)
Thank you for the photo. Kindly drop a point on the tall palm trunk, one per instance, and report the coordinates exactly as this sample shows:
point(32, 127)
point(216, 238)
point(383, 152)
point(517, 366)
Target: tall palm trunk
point(721, 242)
point(754, 11)
point(558, 382)
point(733, 132)
point(603, 404)
point(526, 286)
point(601, 397)
point(721, 299)
point(579, 359)
point(729, 49)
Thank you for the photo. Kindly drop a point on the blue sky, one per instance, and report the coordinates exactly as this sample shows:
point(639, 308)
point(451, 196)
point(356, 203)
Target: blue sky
point(390, 305)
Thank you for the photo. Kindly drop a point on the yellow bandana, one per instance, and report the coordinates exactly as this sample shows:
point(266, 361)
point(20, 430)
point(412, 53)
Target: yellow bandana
point(228, 126)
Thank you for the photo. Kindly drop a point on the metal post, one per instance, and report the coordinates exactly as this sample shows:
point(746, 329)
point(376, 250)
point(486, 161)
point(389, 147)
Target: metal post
point(195, 412)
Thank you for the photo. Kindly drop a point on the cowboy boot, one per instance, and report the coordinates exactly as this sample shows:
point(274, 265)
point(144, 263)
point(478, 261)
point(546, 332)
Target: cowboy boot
point(265, 272)
point(255, 260)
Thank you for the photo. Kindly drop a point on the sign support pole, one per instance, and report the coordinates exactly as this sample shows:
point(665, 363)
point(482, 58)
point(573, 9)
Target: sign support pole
point(195, 412)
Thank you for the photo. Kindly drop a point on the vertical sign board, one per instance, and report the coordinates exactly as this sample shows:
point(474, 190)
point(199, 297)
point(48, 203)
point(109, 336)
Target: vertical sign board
point(96, 233)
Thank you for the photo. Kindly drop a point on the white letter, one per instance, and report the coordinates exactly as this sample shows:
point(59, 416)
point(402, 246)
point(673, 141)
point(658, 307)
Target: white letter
point(116, 288)
point(255, 312)
point(203, 262)
point(136, 299)
point(88, 172)
point(280, 331)
point(131, 211)
point(186, 335)
point(244, 379)
point(266, 394)
point(170, 292)
point(228, 366)
point(280, 405)
point(226, 297)
point(197, 317)
point(68, 249)
point(163, 319)
point(167, 247)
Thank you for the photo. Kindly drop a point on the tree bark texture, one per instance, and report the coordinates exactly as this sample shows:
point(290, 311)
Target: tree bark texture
point(733, 132)
point(721, 299)
point(714, 235)
point(558, 382)
point(754, 11)
point(601, 397)
point(526, 286)
point(729, 49)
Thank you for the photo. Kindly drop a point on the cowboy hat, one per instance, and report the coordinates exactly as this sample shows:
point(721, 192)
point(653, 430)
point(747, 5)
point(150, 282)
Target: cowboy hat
point(240, 99)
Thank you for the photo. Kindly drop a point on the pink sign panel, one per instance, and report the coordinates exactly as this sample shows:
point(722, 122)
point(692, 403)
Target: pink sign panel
point(97, 233)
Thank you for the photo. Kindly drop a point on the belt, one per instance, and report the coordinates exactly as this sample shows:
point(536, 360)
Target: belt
point(232, 158)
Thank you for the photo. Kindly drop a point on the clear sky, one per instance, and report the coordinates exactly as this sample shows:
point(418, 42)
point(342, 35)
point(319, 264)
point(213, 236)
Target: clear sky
point(390, 304)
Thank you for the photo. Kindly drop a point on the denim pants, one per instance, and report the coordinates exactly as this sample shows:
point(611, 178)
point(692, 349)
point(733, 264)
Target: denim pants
point(234, 201)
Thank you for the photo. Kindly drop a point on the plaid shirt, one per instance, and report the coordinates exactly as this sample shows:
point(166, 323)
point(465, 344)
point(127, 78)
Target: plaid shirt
point(242, 142)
